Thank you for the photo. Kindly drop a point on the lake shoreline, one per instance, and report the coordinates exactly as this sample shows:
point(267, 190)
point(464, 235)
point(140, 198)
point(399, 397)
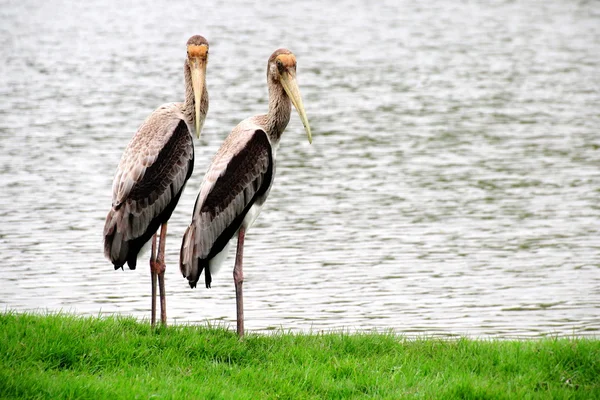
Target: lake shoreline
point(69, 356)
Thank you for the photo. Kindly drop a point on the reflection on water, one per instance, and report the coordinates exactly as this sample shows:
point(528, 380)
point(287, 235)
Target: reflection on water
point(451, 188)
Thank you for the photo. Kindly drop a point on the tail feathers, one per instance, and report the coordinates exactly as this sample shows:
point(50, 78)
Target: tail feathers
point(201, 265)
point(116, 246)
point(186, 254)
point(207, 275)
point(191, 267)
point(197, 266)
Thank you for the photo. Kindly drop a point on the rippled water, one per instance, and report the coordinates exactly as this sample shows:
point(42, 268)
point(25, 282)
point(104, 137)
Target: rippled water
point(452, 186)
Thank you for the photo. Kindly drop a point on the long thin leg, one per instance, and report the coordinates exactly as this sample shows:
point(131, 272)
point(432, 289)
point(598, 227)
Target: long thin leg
point(153, 279)
point(238, 279)
point(161, 274)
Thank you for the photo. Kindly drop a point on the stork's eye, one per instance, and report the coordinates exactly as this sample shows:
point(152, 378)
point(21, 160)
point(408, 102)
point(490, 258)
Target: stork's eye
point(279, 65)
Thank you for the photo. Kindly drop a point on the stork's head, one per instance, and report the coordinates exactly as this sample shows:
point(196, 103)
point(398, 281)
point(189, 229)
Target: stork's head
point(281, 69)
point(197, 58)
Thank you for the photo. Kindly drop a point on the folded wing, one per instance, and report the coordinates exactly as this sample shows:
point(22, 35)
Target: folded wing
point(240, 174)
point(149, 180)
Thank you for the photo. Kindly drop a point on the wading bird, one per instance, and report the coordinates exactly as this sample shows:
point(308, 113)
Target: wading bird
point(239, 180)
point(152, 174)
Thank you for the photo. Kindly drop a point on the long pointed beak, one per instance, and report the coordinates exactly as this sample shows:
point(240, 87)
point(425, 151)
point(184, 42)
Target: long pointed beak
point(198, 70)
point(290, 86)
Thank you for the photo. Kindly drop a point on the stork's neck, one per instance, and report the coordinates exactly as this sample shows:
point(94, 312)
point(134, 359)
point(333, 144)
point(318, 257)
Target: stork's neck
point(280, 108)
point(190, 102)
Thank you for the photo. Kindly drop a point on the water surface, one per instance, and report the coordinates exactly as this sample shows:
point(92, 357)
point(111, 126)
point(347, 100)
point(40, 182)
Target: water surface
point(451, 188)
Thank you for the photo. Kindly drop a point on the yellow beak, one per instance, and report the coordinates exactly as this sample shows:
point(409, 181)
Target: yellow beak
point(198, 71)
point(288, 81)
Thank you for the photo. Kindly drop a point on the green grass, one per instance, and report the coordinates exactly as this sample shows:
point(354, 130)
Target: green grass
point(62, 356)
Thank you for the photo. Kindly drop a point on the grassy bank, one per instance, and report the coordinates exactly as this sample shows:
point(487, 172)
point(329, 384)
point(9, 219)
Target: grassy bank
point(60, 356)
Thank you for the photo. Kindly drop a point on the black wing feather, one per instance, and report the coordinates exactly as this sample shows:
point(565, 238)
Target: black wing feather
point(238, 177)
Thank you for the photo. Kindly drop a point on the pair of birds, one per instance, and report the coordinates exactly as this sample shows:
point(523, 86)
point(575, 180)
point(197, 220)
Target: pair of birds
point(159, 160)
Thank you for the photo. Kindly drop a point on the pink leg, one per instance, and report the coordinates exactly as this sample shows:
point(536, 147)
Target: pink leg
point(238, 279)
point(153, 278)
point(161, 274)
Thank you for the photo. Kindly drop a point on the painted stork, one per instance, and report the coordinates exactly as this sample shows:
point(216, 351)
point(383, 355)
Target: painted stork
point(239, 180)
point(153, 172)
